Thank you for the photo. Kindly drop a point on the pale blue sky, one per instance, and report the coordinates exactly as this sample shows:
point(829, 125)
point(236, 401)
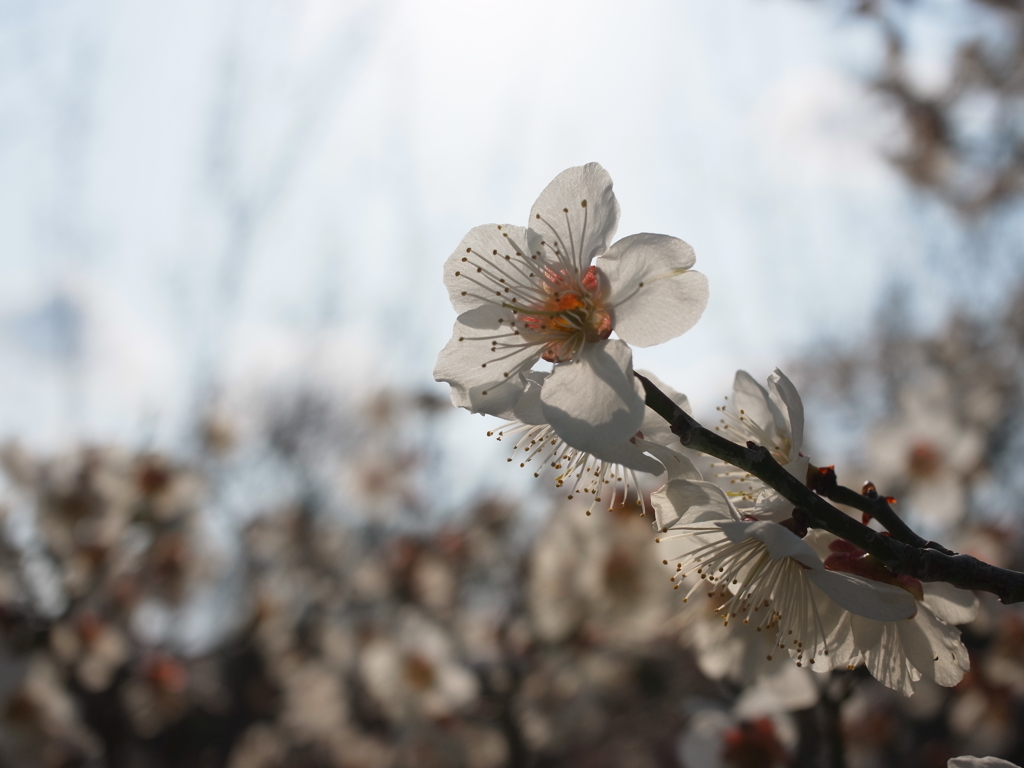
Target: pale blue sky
point(237, 193)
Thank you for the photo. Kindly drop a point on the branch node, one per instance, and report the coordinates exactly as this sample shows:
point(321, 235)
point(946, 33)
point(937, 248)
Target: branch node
point(822, 480)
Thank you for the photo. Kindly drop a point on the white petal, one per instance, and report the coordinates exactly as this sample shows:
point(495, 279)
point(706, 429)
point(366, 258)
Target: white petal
point(632, 456)
point(885, 658)
point(697, 502)
point(882, 602)
point(674, 395)
point(772, 506)
point(797, 467)
point(654, 296)
point(654, 427)
point(595, 403)
point(780, 541)
point(479, 381)
point(787, 400)
point(527, 408)
point(979, 762)
point(934, 648)
point(752, 401)
point(867, 632)
point(678, 466)
point(487, 255)
point(577, 214)
point(950, 604)
point(843, 651)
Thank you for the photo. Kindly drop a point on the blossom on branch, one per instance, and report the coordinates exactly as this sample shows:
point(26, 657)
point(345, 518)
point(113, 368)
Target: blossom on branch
point(773, 418)
point(763, 574)
point(538, 445)
point(899, 653)
point(531, 293)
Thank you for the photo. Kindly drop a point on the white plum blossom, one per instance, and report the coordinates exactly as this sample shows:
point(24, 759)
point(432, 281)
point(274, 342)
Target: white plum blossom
point(536, 444)
point(773, 418)
point(899, 653)
point(979, 762)
point(766, 576)
point(416, 672)
point(529, 293)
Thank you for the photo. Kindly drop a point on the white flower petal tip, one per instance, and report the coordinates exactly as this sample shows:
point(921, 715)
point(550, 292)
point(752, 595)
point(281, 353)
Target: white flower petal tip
point(479, 382)
point(654, 294)
point(577, 214)
point(979, 762)
point(950, 604)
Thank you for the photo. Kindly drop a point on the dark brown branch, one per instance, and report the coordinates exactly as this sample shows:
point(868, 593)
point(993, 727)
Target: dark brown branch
point(872, 504)
point(917, 559)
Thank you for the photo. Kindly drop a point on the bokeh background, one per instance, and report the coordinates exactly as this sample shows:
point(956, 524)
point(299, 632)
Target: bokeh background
point(243, 526)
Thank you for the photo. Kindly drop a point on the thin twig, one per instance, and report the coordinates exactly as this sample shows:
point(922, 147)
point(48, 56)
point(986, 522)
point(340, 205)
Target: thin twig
point(823, 481)
point(921, 561)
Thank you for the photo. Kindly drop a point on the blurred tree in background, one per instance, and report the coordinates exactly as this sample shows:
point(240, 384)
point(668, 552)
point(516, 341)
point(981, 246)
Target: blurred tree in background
point(286, 594)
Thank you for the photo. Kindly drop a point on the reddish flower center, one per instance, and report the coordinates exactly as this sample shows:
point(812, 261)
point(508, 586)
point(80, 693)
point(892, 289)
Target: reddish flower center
point(573, 314)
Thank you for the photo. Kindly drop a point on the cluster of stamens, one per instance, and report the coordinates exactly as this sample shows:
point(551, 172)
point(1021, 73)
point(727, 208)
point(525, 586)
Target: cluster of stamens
point(772, 594)
point(740, 427)
point(737, 425)
point(555, 300)
point(540, 447)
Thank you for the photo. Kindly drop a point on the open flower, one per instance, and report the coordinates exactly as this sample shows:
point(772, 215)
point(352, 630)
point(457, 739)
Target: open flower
point(536, 444)
point(764, 575)
point(898, 653)
point(524, 294)
point(773, 418)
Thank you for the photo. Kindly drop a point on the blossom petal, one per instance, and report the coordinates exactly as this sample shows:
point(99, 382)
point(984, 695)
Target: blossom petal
point(595, 403)
point(979, 762)
point(482, 380)
point(782, 392)
point(780, 541)
point(654, 427)
point(575, 217)
point(678, 466)
point(883, 654)
point(753, 402)
point(872, 599)
point(934, 648)
point(488, 266)
point(950, 604)
point(692, 502)
point(772, 506)
point(527, 409)
point(632, 456)
point(654, 295)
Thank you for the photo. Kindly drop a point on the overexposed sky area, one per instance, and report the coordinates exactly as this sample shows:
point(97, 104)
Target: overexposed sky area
point(211, 197)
